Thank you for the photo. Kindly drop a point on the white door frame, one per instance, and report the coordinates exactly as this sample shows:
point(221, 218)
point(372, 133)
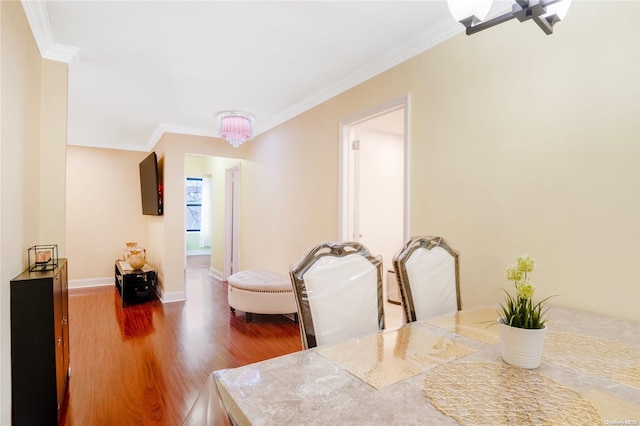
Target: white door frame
point(345, 147)
point(231, 222)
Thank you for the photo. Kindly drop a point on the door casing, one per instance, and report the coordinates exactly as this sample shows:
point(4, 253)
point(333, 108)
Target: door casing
point(345, 192)
point(232, 222)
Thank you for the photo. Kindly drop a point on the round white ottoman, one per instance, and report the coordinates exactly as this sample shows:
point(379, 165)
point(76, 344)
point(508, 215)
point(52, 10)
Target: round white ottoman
point(257, 291)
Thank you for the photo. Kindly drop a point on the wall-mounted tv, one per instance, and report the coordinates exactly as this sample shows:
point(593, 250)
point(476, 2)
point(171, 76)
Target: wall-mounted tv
point(151, 186)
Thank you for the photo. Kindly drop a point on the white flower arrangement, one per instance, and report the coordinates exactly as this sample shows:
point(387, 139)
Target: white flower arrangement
point(520, 311)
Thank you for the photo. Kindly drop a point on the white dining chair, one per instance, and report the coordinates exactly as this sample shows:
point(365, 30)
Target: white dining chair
point(427, 272)
point(338, 289)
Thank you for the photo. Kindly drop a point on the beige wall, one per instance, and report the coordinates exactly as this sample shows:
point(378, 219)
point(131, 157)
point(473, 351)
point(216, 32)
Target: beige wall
point(32, 137)
point(53, 137)
point(104, 210)
point(520, 143)
point(289, 191)
point(194, 165)
point(538, 155)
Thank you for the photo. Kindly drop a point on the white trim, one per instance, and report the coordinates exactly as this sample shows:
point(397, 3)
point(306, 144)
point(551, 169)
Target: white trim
point(173, 296)
point(438, 33)
point(163, 128)
point(231, 222)
point(198, 252)
point(155, 137)
point(38, 16)
point(92, 282)
point(215, 274)
point(407, 167)
point(106, 145)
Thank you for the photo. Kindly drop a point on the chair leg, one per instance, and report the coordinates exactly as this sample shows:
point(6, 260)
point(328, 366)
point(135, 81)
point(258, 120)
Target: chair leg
point(249, 317)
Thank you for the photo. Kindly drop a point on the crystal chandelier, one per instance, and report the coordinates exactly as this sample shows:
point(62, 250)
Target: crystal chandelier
point(235, 127)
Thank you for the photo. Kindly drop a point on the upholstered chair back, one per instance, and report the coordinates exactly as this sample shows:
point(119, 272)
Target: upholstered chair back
point(427, 272)
point(338, 289)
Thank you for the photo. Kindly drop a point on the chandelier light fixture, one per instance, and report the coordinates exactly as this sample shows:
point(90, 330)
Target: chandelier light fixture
point(545, 13)
point(235, 127)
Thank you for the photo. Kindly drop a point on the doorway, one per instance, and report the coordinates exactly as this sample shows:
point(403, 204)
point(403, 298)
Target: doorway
point(219, 221)
point(374, 183)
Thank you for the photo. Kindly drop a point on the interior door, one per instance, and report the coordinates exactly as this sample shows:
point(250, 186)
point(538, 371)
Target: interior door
point(376, 185)
point(378, 208)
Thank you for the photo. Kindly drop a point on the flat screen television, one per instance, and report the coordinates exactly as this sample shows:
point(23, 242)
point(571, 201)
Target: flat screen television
point(151, 186)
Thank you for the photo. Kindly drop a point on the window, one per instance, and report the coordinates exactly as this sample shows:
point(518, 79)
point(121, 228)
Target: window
point(193, 214)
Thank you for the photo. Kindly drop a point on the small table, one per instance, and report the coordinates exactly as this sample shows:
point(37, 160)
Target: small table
point(134, 285)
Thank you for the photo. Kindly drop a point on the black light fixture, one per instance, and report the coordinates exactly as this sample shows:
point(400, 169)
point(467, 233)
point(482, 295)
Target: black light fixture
point(545, 13)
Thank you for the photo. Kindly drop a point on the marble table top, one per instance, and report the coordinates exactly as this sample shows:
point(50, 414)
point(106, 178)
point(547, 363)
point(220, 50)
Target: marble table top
point(448, 371)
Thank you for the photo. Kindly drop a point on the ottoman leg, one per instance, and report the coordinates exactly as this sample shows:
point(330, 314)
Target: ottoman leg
point(248, 316)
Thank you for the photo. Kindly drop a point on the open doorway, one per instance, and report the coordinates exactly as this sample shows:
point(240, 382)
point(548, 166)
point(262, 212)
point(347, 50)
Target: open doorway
point(374, 184)
point(197, 205)
point(211, 213)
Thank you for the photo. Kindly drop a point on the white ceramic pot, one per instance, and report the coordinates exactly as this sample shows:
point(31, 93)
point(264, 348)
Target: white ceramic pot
point(522, 347)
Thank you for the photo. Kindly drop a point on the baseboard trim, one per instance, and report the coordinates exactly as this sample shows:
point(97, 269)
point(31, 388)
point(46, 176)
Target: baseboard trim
point(168, 297)
point(173, 296)
point(198, 252)
point(215, 274)
point(91, 282)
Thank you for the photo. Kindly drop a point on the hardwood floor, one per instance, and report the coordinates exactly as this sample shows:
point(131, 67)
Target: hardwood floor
point(145, 364)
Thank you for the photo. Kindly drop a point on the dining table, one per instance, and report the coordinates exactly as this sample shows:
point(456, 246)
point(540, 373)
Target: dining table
point(447, 370)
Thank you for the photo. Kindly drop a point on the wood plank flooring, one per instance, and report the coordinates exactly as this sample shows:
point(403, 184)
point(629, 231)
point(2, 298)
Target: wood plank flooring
point(145, 364)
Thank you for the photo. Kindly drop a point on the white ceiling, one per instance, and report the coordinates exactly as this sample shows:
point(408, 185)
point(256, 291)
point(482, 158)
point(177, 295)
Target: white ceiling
point(140, 68)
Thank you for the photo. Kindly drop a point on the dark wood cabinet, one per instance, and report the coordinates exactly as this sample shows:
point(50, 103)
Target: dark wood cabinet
point(135, 285)
point(39, 345)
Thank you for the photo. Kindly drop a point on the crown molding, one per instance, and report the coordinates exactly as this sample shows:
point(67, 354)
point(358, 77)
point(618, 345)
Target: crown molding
point(38, 17)
point(442, 31)
point(106, 145)
point(163, 128)
point(155, 137)
point(436, 34)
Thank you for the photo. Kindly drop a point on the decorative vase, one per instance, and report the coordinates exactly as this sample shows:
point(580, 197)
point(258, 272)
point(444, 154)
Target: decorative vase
point(137, 259)
point(522, 347)
point(130, 247)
